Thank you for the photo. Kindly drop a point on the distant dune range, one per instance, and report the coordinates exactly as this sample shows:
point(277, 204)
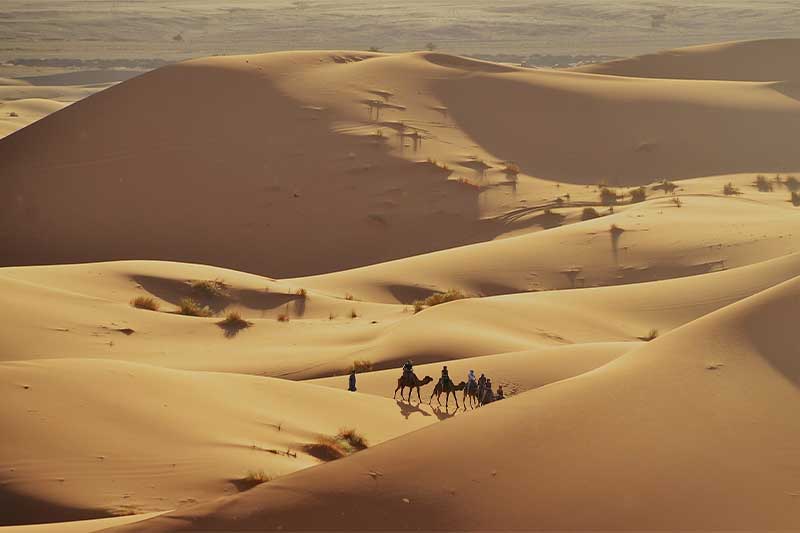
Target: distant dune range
point(647, 347)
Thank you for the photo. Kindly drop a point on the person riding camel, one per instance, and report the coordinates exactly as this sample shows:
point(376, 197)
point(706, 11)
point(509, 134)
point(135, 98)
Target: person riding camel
point(488, 395)
point(471, 377)
point(408, 369)
point(445, 378)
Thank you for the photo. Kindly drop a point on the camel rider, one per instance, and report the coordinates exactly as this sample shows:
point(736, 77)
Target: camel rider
point(488, 395)
point(408, 369)
point(471, 381)
point(445, 377)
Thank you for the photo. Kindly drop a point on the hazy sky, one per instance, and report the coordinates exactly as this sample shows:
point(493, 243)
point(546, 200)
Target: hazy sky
point(183, 28)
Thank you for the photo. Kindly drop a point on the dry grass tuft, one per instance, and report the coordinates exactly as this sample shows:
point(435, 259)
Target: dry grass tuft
point(439, 298)
point(608, 197)
point(763, 184)
point(589, 213)
point(729, 189)
point(145, 302)
point(234, 320)
point(795, 199)
point(190, 307)
point(210, 288)
point(353, 313)
point(638, 195)
point(301, 293)
point(651, 335)
point(354, 439)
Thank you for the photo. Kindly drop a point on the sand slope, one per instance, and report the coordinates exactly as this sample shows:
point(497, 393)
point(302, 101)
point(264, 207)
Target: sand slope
point(324, 155)
point(157, 439)
point(635, 444)
point(762, 60)
point(81, 311)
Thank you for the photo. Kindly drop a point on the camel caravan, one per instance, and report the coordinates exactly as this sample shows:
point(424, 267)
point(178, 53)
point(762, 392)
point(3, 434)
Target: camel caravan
point(477, 391)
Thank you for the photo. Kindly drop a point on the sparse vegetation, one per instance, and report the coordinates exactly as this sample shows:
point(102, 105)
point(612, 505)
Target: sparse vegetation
point(190, 307)
point(730, 189)
point(763, 184)
point(638, 195)
point(253, 478)
point(234, 320)
point(616, 230)
point(328, 448)
point(353, 313)
point(651, 335)
point(511, 169)
point(355, 440)
point(431, 46)
point(792, 183)
point(210, 288)
point(145, 302)
point(589, 213)
point(301, 293)
point(795, 198)
point(283, 317)
point(439, 298)
point(608, 197)
point(374, 49)
point(667, 186)
point(331, 315)
point(677, 201)
point(348, 296)
point(362, 365)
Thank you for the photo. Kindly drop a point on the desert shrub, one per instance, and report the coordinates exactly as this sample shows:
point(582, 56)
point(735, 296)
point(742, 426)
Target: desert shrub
point(210, 288)
point(353, 313)
point(331, 315)
point(729, 189)
point(763, 184)
point(651, 335)
point(362, 365)
point(252, 479)
point(349, 296)
point(792, 183)
point(283, 317)
point(145, 302)
point(512, 169)
point(677, 201)
point(589, 213)
point(325, 448)
point(234, 320)
point(301, 293)
point(667, 186)
point(616, 230)
point(638, 195)
point(351, 437)
point(439, 298)
point(608, 197)
point(190, 307)
point(795, 199)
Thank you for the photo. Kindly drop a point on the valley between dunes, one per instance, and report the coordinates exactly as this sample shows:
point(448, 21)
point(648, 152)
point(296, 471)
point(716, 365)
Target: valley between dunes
point(625, 238)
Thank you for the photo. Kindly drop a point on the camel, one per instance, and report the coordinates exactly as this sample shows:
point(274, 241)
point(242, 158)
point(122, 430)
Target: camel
point(471, 392)
point(411, 383)
point(451, 389)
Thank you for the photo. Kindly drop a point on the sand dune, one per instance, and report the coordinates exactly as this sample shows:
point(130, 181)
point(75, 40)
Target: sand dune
point(17, 114)
point(763, 60)
point(80, 311)
point(259, 204)
point(646, 347)
point(160, 438)
point(621, 440)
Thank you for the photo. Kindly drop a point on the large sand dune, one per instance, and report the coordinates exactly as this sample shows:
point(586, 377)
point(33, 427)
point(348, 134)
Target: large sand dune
point(646, 347)
point(221, 157)
point(637, 444)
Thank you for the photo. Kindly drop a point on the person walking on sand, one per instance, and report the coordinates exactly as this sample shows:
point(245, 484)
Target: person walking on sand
point(352, 385)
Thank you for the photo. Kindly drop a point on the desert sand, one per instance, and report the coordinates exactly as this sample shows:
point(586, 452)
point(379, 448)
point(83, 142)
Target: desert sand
point(644, 339)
